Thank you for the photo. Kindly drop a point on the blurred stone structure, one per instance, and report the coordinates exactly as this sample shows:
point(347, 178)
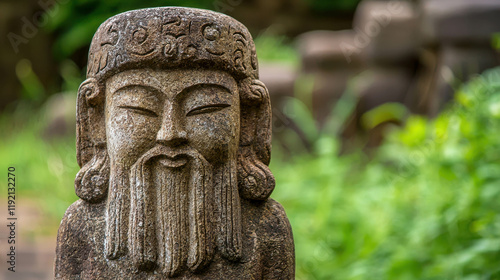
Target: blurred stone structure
point(412, 53)
point(457, 36)
point(174, 143)
point(389, 52)
point(288, 17)
point(280, 79)
point(326, 61)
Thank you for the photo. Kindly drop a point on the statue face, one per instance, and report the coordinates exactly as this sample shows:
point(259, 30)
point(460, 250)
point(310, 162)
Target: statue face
point(175, 108)
point(172, 140)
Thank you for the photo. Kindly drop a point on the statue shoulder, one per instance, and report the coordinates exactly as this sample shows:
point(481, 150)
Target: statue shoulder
point(72, 244)
point(275, 221)
point(276, 241)
point(72, 218)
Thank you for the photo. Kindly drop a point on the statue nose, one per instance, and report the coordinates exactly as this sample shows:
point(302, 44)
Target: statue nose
point(171, 132)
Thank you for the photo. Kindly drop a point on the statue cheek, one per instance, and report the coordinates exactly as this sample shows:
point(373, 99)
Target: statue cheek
point(130, 135)
point(213, 135)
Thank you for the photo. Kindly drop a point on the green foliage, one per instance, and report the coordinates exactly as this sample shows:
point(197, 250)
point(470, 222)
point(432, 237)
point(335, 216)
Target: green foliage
point(32, 88)
point(45, 170)
point(426, 207)
point(276, 48)
point(496, 41)
point(76, 21)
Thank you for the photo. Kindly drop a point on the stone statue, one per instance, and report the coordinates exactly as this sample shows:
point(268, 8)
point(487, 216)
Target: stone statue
point(174, 142)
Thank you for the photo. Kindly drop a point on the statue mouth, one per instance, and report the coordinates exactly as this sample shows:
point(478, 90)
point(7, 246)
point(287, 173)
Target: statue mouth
point(173, 161)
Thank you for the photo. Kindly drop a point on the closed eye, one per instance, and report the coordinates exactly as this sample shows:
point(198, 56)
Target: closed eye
point(206, 109)
point(140, 110)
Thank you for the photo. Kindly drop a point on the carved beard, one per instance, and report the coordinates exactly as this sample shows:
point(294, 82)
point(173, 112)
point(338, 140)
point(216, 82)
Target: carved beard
point(173, 217)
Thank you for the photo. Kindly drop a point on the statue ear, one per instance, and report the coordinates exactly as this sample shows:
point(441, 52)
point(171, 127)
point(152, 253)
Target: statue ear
point(92, 180)
point(256, 182)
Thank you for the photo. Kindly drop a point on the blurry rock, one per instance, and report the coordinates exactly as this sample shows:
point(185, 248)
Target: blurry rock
point(329, 58)
point(391, 42)
point(327, 50)
point(387, 31)
point(460, 21)
point(378, 86)
point(385, 85)
point(457, 65)
point(279, 79)
point(459, 34)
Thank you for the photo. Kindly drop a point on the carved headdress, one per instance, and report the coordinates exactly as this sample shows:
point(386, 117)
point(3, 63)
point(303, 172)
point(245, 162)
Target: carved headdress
point(172, 37)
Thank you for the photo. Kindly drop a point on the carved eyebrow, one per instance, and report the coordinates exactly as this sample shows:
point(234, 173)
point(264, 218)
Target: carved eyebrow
point(152, 91)
point(140, 110)
point(200, 86)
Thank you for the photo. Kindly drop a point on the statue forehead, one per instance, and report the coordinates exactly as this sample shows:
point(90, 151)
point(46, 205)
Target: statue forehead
point(170, 81)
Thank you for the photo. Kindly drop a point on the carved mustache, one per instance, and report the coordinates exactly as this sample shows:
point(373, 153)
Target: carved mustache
point(169, 157)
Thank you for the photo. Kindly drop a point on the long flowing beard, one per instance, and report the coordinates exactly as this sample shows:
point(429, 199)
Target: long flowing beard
point(117, 210)
point(228, 212)
point(171, 221)
point(185, 220)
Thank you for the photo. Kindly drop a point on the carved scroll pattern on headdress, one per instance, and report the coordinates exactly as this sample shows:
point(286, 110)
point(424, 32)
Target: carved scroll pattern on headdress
point(100, 60)
point(240, 49)
point(172, 37)
point(214, 38)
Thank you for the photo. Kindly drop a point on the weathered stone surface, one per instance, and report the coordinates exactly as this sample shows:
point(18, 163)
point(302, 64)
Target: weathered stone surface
point(174, 142)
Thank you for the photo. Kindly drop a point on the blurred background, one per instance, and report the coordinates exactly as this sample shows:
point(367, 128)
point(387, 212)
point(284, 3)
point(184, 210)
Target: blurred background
point(386, 128)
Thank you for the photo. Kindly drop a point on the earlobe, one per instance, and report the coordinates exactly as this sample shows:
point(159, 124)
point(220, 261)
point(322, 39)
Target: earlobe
point(255, 180)
point(91, 182)
point(259, 90)
point(252, 92)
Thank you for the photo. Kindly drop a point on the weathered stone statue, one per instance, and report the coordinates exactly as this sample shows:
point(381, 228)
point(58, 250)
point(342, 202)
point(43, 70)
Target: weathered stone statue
point(174, 142)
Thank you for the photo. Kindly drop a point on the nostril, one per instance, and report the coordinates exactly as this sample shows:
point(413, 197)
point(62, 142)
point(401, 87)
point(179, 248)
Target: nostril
point(173, 140)
point(177, 141)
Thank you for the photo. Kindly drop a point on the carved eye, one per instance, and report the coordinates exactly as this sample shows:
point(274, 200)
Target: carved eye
point(206, 109)
point(140, 110)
